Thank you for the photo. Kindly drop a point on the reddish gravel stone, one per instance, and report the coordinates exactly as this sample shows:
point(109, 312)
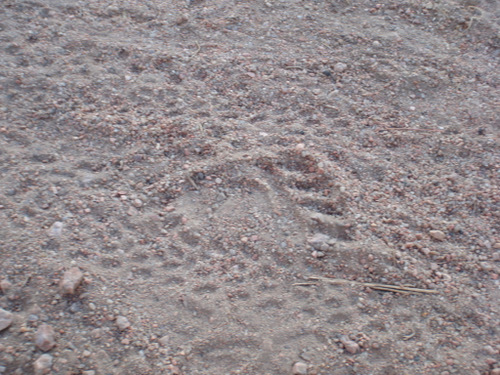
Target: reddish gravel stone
point(71, 280)
point(349, 345)
point(45, 337)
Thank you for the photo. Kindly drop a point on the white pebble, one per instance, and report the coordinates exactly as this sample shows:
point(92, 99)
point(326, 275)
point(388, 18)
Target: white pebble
point(55, 229)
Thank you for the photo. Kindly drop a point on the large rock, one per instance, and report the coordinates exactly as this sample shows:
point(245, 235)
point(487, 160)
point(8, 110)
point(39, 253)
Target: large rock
point(5, 319)
point(43, 364)
point(299, 368)
point(45, 338)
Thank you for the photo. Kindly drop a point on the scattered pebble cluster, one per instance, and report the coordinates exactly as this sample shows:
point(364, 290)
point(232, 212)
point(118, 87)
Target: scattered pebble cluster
point(173, 175)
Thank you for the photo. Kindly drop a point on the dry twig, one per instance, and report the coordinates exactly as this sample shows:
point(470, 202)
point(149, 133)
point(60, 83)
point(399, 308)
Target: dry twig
point(413, 129)
point(382, 287)
point(191, 181)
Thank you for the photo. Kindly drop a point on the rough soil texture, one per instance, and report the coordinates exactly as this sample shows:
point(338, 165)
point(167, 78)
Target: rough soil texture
point(198, 161)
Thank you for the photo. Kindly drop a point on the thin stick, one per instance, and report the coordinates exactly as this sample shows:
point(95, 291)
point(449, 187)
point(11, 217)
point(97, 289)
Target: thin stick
point(191, 181)
point(198, 48)
point(413, 129)
point(474, 18)
point(382, 287)
point(409, 336)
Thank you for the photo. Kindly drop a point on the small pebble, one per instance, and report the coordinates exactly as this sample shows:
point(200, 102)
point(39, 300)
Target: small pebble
point(5, 285)
point(88, 372)
point(318, 254)
point(55, 229)
point(319, 241)
point(137, 203)
point(5, 319)
point(43, 364)
point(490, 361)
point(437, 235)
point(490, 350)
point(122, 323)
point(44, 337)
point(495, 371)
point(340, 67)
point(164, 340)
point(71, 280)
point(349, 345)
point(181, 20)
point(299, 368)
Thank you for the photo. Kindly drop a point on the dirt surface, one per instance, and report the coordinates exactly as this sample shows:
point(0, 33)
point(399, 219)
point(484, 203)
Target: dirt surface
point(199, 161)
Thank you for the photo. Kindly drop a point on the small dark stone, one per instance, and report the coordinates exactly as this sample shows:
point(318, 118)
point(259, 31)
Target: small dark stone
point(481, 131)
point(327, 73)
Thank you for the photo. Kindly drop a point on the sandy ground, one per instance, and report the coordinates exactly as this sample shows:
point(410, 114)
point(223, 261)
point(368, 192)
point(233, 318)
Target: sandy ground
point(228, 175)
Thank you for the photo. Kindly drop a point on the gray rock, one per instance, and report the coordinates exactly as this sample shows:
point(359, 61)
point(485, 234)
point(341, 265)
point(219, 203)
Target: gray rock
point(318, 254)
point(137, 203)
point(330, 225)
point(43, 364)
point(319, 241)
point(122, 323)
point(340, 67)
point(55, 229)
point(5, 319)
point(45, 337)
point(71, 280)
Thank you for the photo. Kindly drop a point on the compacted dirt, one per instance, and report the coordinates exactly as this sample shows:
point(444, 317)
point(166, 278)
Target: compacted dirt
point(228, 175)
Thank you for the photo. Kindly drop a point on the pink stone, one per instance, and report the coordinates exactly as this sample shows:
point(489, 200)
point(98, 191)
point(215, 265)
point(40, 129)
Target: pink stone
point(71, 280)
point(299, 368)
point(44, 338)
point(349, 345)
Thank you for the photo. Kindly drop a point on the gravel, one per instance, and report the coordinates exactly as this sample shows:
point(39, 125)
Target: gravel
point(168, 163)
